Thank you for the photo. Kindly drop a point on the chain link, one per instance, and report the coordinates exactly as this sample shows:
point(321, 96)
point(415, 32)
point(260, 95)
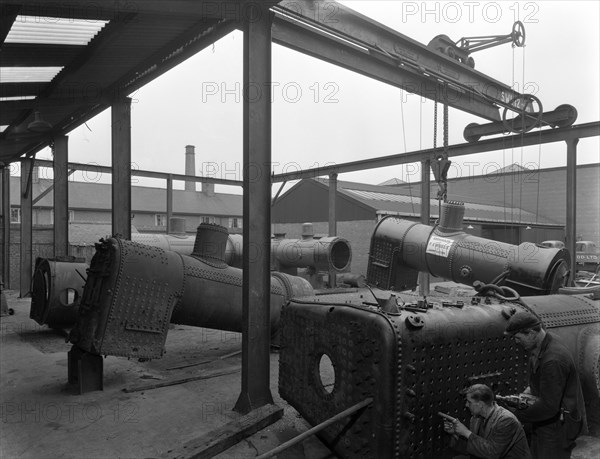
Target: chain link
point(435, 122)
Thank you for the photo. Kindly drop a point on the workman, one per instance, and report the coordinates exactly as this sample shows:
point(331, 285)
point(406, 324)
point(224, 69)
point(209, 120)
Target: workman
point(557, 416)
point(493, 432)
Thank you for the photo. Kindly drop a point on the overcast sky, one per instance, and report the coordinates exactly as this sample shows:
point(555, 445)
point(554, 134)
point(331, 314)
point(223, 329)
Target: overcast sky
point(324, 114)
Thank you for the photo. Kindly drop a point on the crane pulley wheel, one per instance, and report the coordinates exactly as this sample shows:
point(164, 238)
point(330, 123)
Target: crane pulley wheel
point(528, 115)
point(518, 34)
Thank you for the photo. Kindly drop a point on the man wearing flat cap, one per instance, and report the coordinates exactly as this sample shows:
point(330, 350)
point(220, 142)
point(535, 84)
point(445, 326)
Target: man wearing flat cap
point(558, 415)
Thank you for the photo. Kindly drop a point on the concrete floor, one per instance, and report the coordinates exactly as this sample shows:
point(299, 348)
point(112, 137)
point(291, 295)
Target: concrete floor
point(45, 417)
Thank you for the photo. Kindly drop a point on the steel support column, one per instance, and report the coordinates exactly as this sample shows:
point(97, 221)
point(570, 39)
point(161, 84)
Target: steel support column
point(61, 196)
point(121, 167)
point(332, 217)
point(5, 188)
point(255, 391)
point(572, 203)
point(425, 216)
point(169, 202)
point(26, 265)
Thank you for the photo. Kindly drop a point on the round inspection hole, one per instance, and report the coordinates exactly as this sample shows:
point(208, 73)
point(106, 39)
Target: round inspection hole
point(326, 374)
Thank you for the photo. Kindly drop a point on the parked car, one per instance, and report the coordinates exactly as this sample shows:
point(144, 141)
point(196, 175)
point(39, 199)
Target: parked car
point(587, 256)
point(552, 244)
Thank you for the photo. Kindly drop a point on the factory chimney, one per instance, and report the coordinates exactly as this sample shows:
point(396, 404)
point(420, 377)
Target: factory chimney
point(208, 189)
point(190, 166)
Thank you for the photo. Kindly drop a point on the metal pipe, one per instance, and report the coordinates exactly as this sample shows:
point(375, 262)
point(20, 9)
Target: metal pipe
point(310, 432)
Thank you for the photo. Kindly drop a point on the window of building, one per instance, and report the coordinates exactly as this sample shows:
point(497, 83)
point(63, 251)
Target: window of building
point(15, 215)
point(235, 222)
point(160, 220)
point(207, 219)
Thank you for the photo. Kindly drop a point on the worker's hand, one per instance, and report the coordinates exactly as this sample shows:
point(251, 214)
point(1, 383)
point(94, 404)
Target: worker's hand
point(456, 428)
point(449, 427)
point(460, 429)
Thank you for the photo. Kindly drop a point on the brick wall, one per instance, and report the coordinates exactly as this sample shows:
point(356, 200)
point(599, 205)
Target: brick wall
point(42, 246)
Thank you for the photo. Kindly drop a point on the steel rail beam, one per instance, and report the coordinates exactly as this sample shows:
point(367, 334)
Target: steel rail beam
point(142, 173)
point(304, 39)
point(384, 42)
point(514, 141)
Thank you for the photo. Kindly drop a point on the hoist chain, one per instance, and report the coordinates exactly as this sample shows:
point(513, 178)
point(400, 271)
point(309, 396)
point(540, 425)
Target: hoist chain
point(445, 128)
point(435, 122)
point(441, 164)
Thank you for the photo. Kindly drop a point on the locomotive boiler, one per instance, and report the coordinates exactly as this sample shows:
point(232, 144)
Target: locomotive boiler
point(57, 283)
point(400, 249)
point(413, 356)
point(133, 291)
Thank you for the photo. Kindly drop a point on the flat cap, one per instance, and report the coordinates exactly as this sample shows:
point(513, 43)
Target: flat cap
point(522, 320)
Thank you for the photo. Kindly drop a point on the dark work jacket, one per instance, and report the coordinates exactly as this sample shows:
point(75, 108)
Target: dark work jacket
point(555, 381)
point(500, 436)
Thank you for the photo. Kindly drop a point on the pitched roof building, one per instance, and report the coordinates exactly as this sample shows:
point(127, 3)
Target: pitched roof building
point(91, 203)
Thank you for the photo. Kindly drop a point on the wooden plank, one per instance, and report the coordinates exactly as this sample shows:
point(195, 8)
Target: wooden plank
point(226, 436)
point(173, 382)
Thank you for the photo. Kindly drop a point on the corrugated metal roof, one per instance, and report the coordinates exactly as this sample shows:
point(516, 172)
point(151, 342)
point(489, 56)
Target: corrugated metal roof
point(97, 196)
point(393, 200)
point(54, 31)
point(73, 46)
point(28, 74)
point(16, 98)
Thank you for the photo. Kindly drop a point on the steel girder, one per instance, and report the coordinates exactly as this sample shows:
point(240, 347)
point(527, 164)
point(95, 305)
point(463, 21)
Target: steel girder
point(514, 141)
point(353, 41)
